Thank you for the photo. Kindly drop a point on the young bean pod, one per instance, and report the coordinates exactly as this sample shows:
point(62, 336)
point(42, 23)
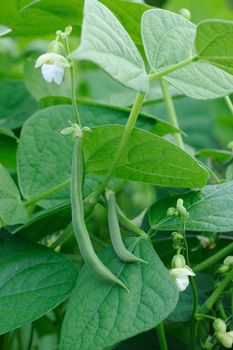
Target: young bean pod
point(81, 233)
point(115, 233)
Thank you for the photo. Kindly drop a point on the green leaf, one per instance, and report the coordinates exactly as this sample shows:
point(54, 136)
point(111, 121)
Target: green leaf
point(100, 314)
point(129, 14)
point(12, 210)
point(33, 281)
point(147, 158)
point(166, 37)
point(210, 210)
point(44, 222)
point(39, 18)
point(41, 143)
point(105, 42)
point(214, 43)
point(169, 39)
point(184, 307)
point(14, 93)
point(202, 81)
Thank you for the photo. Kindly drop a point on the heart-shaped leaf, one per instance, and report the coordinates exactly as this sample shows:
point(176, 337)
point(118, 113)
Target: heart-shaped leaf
point(100, 314)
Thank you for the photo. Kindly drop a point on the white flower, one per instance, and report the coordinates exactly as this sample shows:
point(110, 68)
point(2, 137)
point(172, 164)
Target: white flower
point(180, 276)
point(52, 66)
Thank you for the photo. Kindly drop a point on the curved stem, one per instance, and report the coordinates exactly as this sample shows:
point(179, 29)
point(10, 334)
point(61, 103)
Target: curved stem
point(93, 198)
point(161, 336)
point(73, 84)
point(214, 258)
point(171, 111)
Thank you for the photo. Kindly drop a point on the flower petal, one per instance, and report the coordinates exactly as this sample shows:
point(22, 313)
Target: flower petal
point(58, 73)
point(52, 58)
point(42, 59)
point(48, 71)
point(182, 282)
point(183, 271)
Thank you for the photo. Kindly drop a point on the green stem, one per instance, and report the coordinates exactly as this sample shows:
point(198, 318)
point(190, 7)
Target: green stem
point(73, 84)
point(47, 193)
point(161, 336)
point(214, 258)
point(159, 74)
point(229, 103)
point(171, 111)
point(217, 293)
point(221, 310)
point(193, 323)
point(93, 198)
point(31, 337)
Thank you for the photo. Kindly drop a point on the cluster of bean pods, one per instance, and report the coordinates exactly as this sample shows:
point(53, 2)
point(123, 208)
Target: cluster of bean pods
point(79, 226)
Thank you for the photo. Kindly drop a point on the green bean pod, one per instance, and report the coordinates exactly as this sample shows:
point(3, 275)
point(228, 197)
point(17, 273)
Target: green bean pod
point(79, 226)
point(114, 228)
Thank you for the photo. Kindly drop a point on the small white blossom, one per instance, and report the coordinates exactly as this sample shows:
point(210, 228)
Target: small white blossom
point(52, 66)
point(180, 276)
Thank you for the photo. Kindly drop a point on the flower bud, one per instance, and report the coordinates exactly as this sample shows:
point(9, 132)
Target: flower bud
point(182, 212)
point(219, 325)
point(224, 268)
point(230, 145)
point(178, 261)
point(228, 260)
point(172, 212)
point(185, 13)
point(208, 345)
point(56, 47)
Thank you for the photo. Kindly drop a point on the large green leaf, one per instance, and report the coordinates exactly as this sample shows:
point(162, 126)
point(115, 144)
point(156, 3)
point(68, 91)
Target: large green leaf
point(100, 314)
point(16, 105)
point(41, 143)
point(167, 38)
point(105, 42)
point(214, 43)
point(33, 280)
point(147, 158)
point(12, 210)
point(210, 210)
point(129, 14)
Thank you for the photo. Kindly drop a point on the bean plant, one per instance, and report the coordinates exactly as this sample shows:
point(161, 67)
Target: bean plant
point(116, 223)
